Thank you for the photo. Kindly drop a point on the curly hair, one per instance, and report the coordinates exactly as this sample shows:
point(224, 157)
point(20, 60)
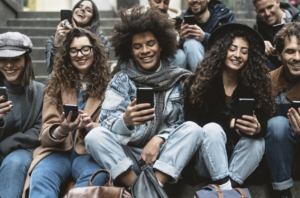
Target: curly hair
point(66, 76)
point(140, 19)
point(254, 75)
point(288, 30)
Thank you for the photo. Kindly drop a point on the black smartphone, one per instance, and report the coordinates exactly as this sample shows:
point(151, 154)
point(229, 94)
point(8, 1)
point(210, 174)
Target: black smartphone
point(145, 95)
point(73, 108)
point(66, 15)
point(189, 19)
point(245, 107)
point(296, 105)
point(3, 92)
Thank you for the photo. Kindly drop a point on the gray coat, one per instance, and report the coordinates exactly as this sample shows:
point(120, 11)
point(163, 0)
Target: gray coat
point(27, 137)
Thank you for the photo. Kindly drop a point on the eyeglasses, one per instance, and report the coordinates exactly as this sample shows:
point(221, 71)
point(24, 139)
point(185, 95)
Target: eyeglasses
point(85, 50)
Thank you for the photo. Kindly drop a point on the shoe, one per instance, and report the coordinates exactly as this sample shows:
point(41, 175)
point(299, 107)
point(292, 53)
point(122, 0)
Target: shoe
point(282, 193)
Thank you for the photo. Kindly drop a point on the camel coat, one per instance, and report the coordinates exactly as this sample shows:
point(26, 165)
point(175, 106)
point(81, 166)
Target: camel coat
point(51, 120)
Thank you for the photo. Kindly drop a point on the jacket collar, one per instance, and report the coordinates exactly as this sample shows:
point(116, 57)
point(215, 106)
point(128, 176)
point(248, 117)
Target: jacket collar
point(69, 96)
point(279, 85)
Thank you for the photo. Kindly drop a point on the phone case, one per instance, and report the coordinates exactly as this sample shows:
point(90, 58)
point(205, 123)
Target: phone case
point(296, 105)
point(145, 95)
point(66, 14)
point(73, 108)
point(245, 107)
point(190, 19)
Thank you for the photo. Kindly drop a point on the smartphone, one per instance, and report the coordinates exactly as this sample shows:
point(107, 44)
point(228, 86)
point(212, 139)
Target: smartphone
point(145, 95)
point(66, 15)
point(73, 108)
point(189, 19)
point(245, 107)
point(3, 92)
point(296, 105)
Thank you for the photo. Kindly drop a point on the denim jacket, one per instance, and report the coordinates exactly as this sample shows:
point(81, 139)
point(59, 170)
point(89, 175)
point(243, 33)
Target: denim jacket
point(120, 92)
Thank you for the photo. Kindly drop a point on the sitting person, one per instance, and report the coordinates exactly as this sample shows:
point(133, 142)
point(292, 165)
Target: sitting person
point(85, 14)
point(157, 135)
point(234, 67)
point(80, 77)
point(20, 112)
point(208, 15)
point(283, 133)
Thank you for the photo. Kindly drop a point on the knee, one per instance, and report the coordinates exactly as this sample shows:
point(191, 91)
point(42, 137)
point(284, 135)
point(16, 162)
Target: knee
point(214, 132)
point(191, 130)
point(17, 161)
point(96, 137)
point(278, 128)
point(255, 146)
point(192, 44)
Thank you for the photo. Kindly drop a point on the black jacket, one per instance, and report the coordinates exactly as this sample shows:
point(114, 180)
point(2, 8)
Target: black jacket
point(266, 31)
point(215, 109)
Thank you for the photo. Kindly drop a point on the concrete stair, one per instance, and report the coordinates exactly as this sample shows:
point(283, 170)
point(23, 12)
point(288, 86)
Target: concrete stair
point(39, 26)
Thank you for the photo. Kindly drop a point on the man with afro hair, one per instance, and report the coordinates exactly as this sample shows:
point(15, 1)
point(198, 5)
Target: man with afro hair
point(144, 40)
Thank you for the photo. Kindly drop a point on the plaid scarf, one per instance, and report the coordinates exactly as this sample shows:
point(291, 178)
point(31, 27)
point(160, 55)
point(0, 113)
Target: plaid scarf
point(161, 81)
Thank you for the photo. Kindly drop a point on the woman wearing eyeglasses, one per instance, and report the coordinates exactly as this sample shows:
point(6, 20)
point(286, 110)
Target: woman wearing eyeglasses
point(80, 77)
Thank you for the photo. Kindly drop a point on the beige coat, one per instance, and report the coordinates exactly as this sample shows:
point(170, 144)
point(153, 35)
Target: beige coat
point(51, 120)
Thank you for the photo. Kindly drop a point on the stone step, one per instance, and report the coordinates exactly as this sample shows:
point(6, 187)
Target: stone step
point(41, 31)
point(40, 41)
point(52, 22)
point(32, 14)
point(40, 68)
point(38, 53)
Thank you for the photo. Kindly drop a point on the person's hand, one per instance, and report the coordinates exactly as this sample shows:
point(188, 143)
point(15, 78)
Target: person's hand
point(191, 31)
point(269, 48)
point(183, 31)
point(294, 119)
point(61, 33)
point(87, 122)
point(67, 126)
point(133, 116)
point(4, 107)
point(151, 150)
point(251, 125)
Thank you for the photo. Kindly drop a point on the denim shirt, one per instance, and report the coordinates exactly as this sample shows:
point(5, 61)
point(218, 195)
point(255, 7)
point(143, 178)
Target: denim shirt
point(120, 92)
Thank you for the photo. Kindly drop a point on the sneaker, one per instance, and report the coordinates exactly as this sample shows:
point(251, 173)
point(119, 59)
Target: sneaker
point(282, 193)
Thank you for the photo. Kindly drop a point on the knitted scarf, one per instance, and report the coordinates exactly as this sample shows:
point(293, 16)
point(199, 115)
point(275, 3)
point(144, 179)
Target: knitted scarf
point(161, 81)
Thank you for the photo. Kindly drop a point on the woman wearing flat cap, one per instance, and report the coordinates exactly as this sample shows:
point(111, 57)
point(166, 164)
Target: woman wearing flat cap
point(20, 113)
point(234, 67)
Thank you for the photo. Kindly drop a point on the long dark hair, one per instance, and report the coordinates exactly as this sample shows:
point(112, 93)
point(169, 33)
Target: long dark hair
point(254, 75)
point(28, 73)
point(95, 21)
point(66, 76)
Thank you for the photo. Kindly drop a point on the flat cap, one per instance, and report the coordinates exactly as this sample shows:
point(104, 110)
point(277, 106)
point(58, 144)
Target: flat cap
point(13, 44)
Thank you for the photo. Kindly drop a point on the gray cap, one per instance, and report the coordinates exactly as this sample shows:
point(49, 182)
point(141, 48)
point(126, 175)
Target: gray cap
point(14, 44)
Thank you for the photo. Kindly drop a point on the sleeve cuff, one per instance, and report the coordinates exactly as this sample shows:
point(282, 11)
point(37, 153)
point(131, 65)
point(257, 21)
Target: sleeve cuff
point(164, 136)
point(119, 127)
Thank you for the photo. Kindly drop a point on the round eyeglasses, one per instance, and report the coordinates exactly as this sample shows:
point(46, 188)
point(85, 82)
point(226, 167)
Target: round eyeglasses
point(85, 50)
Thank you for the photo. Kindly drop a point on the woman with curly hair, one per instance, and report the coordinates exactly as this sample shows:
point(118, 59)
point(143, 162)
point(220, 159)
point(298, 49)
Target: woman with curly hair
point(80, 77)
point(234, 67)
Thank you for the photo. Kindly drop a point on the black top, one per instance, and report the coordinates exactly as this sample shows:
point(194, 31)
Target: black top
point(208, 25)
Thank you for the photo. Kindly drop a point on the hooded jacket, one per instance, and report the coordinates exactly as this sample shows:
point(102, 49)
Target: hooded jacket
point(222, 15)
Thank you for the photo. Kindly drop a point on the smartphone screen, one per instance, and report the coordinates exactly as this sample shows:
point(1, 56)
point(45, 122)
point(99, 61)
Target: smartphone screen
point(245, 107)
point(296, 105)
point(66, 15)
point(189, 19)
point(145, 95)
point(73, 108)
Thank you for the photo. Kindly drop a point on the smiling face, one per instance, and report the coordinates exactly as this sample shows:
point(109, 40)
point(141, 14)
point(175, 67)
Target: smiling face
point(269, 11)
point(237, 54)
point(83, 14)
point(198, 7)
point(290, 58)
point(162, 5)
point(12, 69)
point(82, 62)
point(146, 51)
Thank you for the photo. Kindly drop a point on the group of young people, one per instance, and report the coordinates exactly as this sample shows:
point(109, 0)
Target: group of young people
point(193, 118)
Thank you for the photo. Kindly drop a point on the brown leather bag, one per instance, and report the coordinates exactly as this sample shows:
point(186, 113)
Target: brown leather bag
point(91, 191)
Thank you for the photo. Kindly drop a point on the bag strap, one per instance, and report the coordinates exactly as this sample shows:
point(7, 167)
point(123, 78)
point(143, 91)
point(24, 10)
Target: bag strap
point(243, 194)
point(109, 183)
point(136, 166)
point(218, 190)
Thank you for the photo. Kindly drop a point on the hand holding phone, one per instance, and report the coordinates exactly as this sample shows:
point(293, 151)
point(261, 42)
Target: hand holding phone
point(245, 120)
point(63, 27)
point(5, 105)
point(294, 117)
point(67, 122)
point(66, 16)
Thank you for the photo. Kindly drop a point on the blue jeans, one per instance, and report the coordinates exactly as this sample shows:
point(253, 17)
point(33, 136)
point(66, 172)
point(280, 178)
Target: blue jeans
point(176, 152)
point(212, 160)
point(280, 152)
point(51, 171)
point(194, 51)
point(13, 173)
point(179, 60)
